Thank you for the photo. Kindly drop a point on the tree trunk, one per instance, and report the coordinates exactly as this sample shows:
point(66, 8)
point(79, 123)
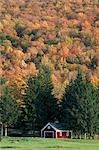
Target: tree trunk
point(85, 136)
point(2, 129)
point(5, 130)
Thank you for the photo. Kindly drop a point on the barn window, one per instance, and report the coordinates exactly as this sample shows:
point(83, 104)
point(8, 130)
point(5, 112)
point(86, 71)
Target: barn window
point(48, 127)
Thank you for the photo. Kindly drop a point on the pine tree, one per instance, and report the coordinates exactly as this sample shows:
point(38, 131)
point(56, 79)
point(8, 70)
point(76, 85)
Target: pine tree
point(40, 105)
point(80, 106)
point(30, 100)
point(71, 106)
point(97, 110)
point(46, 105)
point(8, 109)
point(91, 107)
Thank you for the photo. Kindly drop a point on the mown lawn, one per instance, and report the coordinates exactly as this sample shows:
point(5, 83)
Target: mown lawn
point(47, 144)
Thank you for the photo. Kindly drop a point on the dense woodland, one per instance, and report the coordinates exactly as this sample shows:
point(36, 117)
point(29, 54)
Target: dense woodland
point(49, 51)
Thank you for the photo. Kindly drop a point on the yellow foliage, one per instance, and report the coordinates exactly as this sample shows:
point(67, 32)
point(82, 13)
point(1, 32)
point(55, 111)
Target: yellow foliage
point(10, 49)
point(54, 79)
point(18, 56)
point(95, 80)
point(45, 24)
point(64, 52)
point(59, 89)
point(1, 27)
point(53, 50)
point(47, 62)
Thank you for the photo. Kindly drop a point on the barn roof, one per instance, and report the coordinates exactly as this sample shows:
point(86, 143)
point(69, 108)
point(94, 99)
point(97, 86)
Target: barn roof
point(59, 126)
point(56, 126)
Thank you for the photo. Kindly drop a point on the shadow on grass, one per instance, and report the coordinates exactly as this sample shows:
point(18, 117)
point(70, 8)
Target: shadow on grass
point(8, 147)
point(56, 147)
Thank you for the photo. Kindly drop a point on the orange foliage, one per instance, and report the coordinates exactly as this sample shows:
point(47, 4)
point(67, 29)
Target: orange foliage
point(95, 80)
point(60, 35)
point(64, 50)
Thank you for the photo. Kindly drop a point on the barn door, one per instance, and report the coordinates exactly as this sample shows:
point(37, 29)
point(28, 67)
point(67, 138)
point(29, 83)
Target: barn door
point(48, 134)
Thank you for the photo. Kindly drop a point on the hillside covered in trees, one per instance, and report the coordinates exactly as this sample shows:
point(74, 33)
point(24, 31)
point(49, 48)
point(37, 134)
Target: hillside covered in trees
point(44, 44)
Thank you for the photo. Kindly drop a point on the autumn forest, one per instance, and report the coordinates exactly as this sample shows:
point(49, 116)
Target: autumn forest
point(49, 53)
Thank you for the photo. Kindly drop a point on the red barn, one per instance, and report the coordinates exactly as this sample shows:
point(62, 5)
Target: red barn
point(55, 130)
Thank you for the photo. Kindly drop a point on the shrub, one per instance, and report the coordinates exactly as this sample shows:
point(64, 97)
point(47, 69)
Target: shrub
point(88, 40)
point(20, 29)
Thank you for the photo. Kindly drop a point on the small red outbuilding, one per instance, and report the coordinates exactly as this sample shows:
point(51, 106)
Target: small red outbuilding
point(55, 130)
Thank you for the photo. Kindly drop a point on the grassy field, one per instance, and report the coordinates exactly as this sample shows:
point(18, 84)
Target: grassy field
point(47, 144)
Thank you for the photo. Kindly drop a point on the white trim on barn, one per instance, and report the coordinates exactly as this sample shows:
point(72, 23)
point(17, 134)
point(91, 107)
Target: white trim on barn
point(51, 126)
point(56, 134)
point(45, 126)
point(56, 130)
point(48, 124)
point(61, 133)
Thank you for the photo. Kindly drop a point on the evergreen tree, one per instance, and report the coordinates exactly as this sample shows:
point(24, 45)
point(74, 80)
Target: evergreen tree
point(80, 106)
point(8, 108)
point(46, 104)
point(40, 105)
point(91, 106)
point(71, 107)
point(30, 100)
point(97, 110)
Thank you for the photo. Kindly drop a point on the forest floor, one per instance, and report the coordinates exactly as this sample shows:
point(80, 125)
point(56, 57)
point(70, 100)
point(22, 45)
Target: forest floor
point(16, 143)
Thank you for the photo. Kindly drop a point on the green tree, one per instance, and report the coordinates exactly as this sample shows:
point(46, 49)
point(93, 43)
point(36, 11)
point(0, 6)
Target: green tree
point(91, 107)
point(71, 106)
point(8, 108)
point(80, 106)
point(30, 100)
point(97, 104)
point(40, 105)
point(46, 104)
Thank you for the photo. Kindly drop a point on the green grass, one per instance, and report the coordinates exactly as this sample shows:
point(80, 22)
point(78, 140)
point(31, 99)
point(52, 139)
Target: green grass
point(47, 144)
